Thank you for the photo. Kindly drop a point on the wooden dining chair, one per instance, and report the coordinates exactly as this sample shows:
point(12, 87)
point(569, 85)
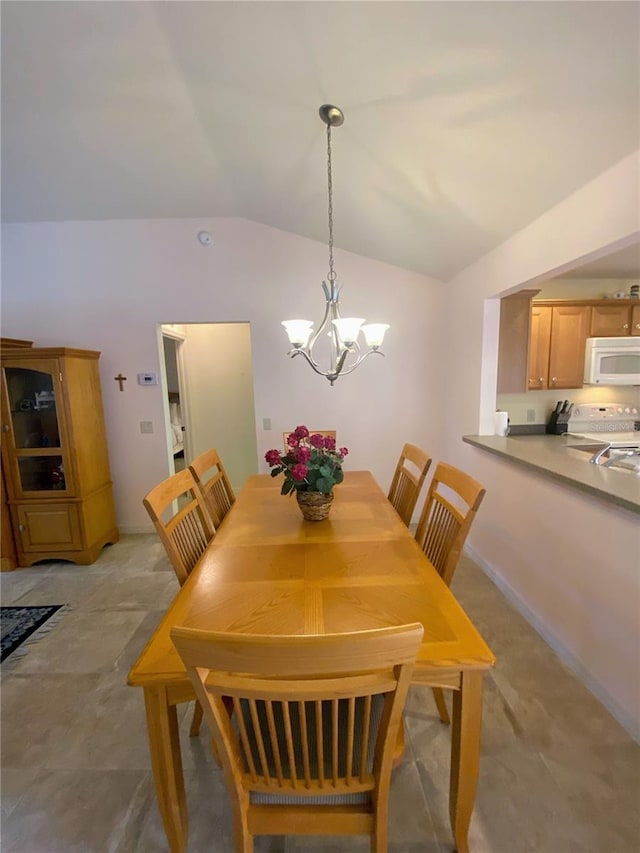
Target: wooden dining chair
point(451, 505)
point(309, 747)
point(185, 533)
point(213, 484)
point(409, 476)
point(327, 433)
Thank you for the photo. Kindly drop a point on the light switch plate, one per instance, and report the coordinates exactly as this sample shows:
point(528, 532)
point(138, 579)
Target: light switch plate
point(146, 427)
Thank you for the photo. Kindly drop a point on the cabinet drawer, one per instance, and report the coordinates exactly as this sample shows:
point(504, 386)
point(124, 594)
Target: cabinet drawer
point(47, 526)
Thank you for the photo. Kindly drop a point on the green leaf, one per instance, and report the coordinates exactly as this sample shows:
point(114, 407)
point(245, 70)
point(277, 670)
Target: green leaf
point(338, 475)
point(287, 487)
point(324, 485)
point(275, 472)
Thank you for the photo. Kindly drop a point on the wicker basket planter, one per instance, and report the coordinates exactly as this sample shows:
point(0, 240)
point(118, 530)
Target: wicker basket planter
point(314, 506)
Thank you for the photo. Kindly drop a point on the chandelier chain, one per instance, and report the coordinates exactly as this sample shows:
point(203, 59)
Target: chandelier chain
point(332, 275)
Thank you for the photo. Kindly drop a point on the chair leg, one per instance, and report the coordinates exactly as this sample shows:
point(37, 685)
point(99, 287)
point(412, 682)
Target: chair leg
point(194, 731)
point(441, 705)
point(380, 837)
point(379, 844)
point(398, 753)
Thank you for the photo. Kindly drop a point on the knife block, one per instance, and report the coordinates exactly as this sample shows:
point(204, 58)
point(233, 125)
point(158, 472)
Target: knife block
point(555, 427)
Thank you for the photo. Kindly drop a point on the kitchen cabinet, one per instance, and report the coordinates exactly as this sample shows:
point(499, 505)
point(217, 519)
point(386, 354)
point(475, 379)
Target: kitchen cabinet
point(558, 335)
point(54, 455)
point(513, 342)
point(542, 342)
point(539, 346)
point(614, 318)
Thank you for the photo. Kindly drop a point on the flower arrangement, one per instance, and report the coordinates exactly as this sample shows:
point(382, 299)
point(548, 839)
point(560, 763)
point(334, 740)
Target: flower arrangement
point(311, 464)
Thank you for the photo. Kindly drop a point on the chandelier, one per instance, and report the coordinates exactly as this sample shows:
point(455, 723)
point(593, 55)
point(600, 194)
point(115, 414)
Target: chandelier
point(345, 353)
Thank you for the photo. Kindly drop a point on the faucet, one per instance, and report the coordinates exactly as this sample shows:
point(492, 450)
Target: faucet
point(597, 456)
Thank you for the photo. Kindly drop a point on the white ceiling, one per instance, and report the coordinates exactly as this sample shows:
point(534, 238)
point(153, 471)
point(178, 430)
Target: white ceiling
point(464, 121)
point(622, 264)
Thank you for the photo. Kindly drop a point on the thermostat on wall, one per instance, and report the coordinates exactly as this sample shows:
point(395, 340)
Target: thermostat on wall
point(147, 379)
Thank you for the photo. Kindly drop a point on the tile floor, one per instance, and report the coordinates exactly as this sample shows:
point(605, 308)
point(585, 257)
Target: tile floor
point(557, 774)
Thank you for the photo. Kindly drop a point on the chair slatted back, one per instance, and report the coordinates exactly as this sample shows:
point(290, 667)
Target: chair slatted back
point(408, 480)
point(186, 533)
point(315, 718)
point(443, 526)
point(215, 487)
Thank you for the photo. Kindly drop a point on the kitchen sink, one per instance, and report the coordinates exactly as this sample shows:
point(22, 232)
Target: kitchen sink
point(611, 457)
point(588, 451)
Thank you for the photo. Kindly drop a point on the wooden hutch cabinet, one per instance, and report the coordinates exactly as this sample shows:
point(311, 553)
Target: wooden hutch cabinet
point(54, 455)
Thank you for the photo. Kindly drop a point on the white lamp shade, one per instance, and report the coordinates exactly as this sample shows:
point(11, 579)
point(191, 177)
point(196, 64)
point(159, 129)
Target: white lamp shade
point(348, 328)
point(298, 331)
point(374, 333)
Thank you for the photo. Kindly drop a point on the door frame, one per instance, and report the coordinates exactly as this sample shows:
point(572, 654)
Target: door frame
point(176, 333)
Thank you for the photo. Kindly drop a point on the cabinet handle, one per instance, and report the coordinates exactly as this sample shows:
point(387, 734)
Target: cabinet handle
point(21, 527)
point(637, 325)
point(626, 326)
point(553, 379)
point(6, 427)
point(540, 380)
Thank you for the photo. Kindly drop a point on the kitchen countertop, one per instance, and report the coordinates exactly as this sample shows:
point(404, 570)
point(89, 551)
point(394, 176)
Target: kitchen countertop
point(560, 458)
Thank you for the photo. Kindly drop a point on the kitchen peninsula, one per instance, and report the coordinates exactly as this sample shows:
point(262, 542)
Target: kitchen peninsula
point(564, 458)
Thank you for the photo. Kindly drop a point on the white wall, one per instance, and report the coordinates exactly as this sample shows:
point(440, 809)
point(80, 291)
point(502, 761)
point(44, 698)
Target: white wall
point(560, 553)
point(106, 286)
point(584, 288)
point(219, 394)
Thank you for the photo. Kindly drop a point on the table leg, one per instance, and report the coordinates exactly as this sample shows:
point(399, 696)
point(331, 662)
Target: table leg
point(465, 754)
point(166, 761)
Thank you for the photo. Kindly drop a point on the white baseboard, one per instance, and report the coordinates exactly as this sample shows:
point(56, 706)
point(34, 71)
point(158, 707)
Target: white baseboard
point(577, 667)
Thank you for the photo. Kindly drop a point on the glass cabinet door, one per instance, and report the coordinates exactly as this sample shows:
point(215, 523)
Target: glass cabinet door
point(32, 397)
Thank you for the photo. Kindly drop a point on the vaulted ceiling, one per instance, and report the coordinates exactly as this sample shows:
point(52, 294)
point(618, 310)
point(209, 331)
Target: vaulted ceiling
point(464, 121)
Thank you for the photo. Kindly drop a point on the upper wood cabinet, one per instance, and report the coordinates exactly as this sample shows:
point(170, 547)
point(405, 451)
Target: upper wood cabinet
point(513, 343)
point(569, 332)
point(614, 318)
point(542, 342)
point(557, 345)
point(539, 347)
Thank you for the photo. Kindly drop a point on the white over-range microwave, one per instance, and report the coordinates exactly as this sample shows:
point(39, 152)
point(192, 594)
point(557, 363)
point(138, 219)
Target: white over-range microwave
point(612, 361)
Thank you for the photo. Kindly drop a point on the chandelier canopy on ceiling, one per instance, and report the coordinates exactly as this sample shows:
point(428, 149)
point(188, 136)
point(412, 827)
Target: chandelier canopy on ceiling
point(345, 353)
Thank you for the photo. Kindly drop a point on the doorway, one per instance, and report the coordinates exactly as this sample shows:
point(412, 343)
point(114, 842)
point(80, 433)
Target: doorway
point(176, 430)
point(208, 388)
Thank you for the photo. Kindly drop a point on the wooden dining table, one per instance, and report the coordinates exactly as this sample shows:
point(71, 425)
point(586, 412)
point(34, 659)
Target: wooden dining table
point(267, 571)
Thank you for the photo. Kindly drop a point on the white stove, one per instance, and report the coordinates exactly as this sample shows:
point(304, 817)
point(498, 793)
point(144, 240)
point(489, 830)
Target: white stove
point(613, 423)
point(613, 439)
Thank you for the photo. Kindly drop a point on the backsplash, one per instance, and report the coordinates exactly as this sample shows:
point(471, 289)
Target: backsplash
point(542, 403)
